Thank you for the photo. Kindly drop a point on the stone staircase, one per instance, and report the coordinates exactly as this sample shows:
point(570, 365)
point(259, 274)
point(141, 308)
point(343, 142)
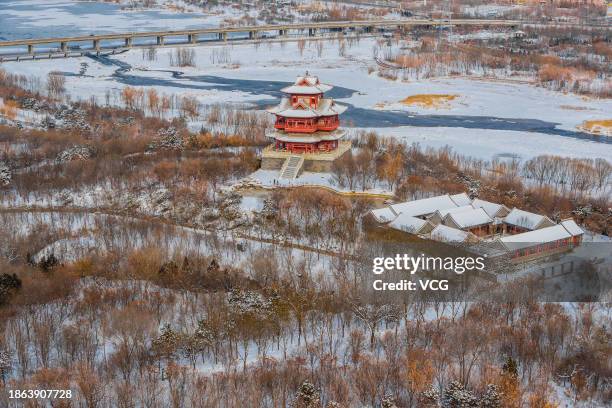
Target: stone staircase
point(291, 167)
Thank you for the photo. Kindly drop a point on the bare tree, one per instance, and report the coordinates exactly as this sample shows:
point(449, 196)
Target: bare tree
point(56, 84)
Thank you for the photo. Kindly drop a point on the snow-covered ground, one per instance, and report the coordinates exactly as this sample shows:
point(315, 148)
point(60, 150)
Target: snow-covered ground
point(271, 178)
point(498, 144)
point(86, 233)
point(488, 10)
point(478, 122)
point(53, 18)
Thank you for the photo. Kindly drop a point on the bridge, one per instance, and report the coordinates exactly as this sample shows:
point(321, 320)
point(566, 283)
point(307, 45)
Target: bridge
point(80, 45)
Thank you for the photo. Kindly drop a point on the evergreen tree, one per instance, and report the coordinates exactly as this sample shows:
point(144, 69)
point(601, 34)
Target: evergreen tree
point(491, 397)
point(8, 285)
point(388, 402)
point(509, 384)
point(49, 262)
point(307, 396)
point(457, 396)
point(5, 364)
point(167, 342)
point(510, 367)
point(430, 397)
point(197, 343)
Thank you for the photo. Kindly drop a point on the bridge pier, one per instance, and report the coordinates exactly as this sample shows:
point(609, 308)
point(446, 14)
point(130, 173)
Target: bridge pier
point(282, 32)
point(312, 32)
point(96, 46)
point(192, 38)
point(223, 36)
point(31, 49)
point(160, 40)
point(128, 42)
point(64, 46)
point(252, 35)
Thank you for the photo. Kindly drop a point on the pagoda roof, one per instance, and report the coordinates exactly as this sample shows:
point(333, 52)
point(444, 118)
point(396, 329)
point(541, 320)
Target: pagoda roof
point(305, 137)
point(307, 90)
point(326, 107)
point(307, 85)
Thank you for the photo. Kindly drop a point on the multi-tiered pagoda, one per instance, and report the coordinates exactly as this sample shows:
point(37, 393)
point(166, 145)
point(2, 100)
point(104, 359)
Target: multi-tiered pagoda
point(306, 121)
point(306, 132)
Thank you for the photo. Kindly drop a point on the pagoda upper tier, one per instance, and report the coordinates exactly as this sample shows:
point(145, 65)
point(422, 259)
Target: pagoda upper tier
point(305, 109)
point(307, 85)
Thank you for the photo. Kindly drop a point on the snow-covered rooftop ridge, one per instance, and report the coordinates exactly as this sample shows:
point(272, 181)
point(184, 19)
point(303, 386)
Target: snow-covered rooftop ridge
point(461, 199)
point(424, 206)
point(527, 219)
point(383, 215)
point(527, 239)
point(446, 211)
point(407, 223)
point(307, 85)
point(326, 107)
point(469, 218)
point(444, 233)
point(571, 227)
point(492, 209)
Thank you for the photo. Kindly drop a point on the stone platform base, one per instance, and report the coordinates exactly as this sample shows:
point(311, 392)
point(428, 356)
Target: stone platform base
point(313, 162)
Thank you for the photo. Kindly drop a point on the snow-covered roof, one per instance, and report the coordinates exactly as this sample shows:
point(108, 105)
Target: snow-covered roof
point(296, 113)
point(425, 206)
point(307, 85)
point(469, 218)
point(531, 238)
point(461, 199)
point(407, 223)
point(328, 107)
point(383, 215)
point(571, 227)
point(284, 104)
point(305, 137)
point(491, 208)
point(526, 219)
point(446, 211)
point(304, 90)
point(448, 234)
point(307, 80)
point(325, 107)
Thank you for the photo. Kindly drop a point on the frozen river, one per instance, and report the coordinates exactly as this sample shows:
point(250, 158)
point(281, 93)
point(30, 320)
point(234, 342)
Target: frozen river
point(354, 116)
point(20, 19)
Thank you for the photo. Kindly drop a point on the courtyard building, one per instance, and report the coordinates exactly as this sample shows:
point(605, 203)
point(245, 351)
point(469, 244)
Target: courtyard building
point(458, 219)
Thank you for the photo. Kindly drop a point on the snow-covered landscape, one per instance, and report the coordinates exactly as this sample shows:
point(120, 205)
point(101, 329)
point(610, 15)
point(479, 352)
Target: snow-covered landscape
point(199, 224)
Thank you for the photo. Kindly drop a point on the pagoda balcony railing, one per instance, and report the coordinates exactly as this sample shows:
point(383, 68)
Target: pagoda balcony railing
point(307, 125)
point(308, 129)
point(301, 128)
point(328, 126)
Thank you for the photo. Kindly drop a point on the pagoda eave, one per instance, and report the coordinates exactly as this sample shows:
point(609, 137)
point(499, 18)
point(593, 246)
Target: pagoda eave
point(307, 89)
point(305, 138)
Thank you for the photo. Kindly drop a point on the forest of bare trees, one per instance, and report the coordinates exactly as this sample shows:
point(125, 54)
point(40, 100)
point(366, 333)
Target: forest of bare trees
point(148, 328)
point(568, 60)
